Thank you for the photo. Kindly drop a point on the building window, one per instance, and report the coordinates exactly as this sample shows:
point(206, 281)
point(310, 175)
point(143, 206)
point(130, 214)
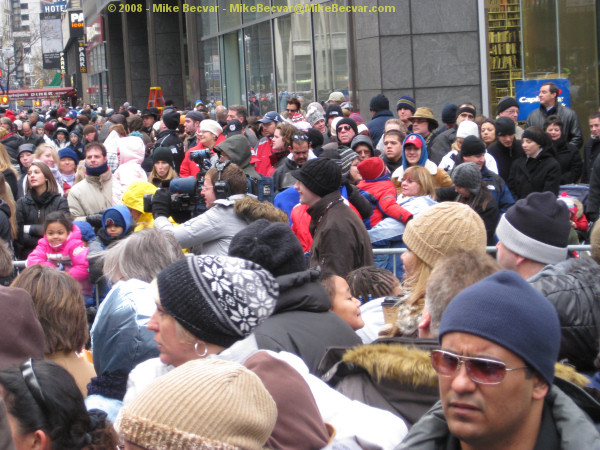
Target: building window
point(24, 17)
point(212, 70)
point(259, 69)
point(293, 58)
point(331, 54)
point(24, 6)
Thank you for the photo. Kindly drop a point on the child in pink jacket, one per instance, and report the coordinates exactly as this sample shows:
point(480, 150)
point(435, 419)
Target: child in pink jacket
point(131, 155)
point(62, 247)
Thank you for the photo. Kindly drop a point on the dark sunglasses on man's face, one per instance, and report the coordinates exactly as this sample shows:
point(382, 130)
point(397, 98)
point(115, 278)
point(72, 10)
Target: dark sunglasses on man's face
point(344, 128)
point(291, 110)
point(480, 370)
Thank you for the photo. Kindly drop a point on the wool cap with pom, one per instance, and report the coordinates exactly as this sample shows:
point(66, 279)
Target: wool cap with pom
point(372, 168)
point(536, 227)
point(219, 299)
point(507, 310)
point(271, 245)
point(201, 404)
point(321, 176)
point(443, 228)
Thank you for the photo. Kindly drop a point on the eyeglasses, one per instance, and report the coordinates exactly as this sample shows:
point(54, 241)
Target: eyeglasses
point(32, 383)
point(300, 137)
point(291, 110)
point(344, 128)
point(479, 370)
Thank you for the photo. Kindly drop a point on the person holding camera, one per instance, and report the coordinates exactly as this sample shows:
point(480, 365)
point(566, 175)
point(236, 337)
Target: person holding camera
point(209, 233)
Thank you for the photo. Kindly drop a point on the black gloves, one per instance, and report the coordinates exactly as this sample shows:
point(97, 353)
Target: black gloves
point(95, 220)
point(161, 203)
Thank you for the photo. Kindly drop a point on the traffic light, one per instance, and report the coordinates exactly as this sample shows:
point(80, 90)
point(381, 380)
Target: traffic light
point(4, 99)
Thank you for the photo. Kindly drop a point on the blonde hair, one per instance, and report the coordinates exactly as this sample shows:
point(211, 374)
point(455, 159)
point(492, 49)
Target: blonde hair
point(5, 160)
point(42, 148)
point(155, 176)
point(422, 176)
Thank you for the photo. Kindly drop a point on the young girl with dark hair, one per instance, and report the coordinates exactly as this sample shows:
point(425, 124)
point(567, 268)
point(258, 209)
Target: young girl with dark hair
point(62, 247)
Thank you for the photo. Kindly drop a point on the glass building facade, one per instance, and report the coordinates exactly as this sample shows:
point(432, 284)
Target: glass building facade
point(265, 58)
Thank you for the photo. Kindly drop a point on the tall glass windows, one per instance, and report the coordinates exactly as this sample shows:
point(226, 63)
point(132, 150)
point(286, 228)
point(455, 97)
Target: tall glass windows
point(260, 79)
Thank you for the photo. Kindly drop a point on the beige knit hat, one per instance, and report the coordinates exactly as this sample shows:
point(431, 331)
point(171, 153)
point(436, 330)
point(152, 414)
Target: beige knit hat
point(443, 228)
point(201, 404)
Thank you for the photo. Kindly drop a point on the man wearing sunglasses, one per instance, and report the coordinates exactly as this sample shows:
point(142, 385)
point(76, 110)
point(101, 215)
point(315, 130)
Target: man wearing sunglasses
point(299, 154)
point(499, 343)
point(345, 130)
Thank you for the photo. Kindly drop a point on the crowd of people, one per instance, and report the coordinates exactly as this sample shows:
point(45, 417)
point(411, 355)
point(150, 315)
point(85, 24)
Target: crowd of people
point(199, 279)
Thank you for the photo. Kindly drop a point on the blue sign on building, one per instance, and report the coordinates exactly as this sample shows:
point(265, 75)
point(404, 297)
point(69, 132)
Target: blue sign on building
point(50, 6)
point(527, 93)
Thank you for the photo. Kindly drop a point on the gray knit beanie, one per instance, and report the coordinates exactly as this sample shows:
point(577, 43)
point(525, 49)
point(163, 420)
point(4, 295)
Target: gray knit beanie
point(467, 175)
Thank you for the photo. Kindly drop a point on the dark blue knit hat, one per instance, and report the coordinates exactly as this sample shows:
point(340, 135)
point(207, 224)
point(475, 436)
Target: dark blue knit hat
point(406, 101)
point(449, 113)
point(507, 310)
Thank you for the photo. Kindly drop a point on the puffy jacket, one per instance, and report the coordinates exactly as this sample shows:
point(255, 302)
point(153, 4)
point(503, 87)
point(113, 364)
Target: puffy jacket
point(538, 174)
point(302, 322)
point(91, 195)
point(32, 210)
point(131, 151)
point(573, 287)
point(381, 192)
point(120, 341)
point(170, 138)
point(571, 127)
point(133, 198)
point(391, 374)
point(72, 254)
point(569, 158)
point(265, 159)
point(340, 240)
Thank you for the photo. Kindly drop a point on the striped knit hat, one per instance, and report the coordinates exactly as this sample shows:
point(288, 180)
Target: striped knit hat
point(201, 404)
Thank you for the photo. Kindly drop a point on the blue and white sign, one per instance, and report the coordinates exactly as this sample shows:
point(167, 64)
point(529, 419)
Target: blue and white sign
point(527, 93)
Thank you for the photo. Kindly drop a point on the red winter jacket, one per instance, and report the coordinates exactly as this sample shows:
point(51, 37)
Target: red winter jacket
point(189, 168)
point(382, 194)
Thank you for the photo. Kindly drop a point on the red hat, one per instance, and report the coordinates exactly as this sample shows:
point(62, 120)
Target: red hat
point(60, 112)
point(414, 140)
point(10, 115)
point(372, 168)
point(49, 126)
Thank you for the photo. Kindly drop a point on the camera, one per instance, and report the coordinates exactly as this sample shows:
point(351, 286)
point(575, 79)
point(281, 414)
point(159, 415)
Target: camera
point(186, 198)
point(198, 156)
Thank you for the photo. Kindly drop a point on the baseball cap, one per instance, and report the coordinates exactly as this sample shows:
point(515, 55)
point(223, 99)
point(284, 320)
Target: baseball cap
point(271, 116)
point(414, 140)
point(71, 115)
point(337, 96)
point(233, 127)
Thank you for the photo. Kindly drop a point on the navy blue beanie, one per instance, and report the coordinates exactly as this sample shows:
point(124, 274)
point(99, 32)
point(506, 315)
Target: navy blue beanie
point(379, 102)
point(507, 310)
point(449, 113)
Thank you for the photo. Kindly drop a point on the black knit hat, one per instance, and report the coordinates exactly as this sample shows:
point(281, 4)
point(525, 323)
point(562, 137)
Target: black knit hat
point(536, 227)
point(379, 102)
point(507, 102)
point(170, 118)
point(468, 176)
point(162, 154)
point(272, 245)
point(315, 138)
point(219, 299)
point(347, 121)
point(472, 145)
point(505, 126)
point(449, 113)
point(321, 176)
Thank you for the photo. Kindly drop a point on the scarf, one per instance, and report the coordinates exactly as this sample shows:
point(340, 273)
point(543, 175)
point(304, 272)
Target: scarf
point(96, 171)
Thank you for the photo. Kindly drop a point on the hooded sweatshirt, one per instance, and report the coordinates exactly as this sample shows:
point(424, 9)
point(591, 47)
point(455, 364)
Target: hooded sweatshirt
point(237, 148)
point(131, 154)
